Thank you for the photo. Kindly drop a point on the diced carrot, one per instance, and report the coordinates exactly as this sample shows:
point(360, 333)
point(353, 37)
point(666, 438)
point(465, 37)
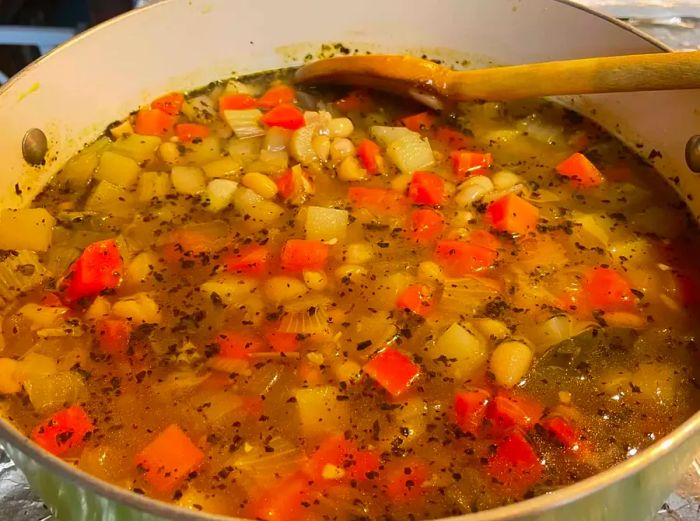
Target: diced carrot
point(403, 480)
point(370, 156)
point(51, 300)
point(607, 290)
point(460, 258)
point(470, 409)
point(302, 254)
point(562, 430)
point(153, 122)
point(426, 188)
point(513, 214)
point(99, 268)
point(466, 163)
point(113, 335)
point(236, 102)
point(453, 139)
point(251, 260)
point(345, 456)
point(309, 374)
point(515, 463)
point(286, 116)
point(239, 345)
point(485, 239)
point(379, 201)
point(417, 298)
point(169, 459)
point(63, 430)
point(393, 370)
point(582, 172)
point(285, 184)
point(426, 225)
point(283, 500)
point(187, 132)
point(507, 411)
point(356, 101)
point(419, 122)
point(276, 96)
point(282, 342)
point(170, 103)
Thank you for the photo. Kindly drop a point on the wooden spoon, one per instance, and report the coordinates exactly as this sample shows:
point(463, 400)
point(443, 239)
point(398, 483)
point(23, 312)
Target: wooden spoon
point(432, 84)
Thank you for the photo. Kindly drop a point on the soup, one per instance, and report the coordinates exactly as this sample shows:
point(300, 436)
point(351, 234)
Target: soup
point(282, 304)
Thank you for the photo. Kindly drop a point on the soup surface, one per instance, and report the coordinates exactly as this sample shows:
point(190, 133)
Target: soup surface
point(257, 301)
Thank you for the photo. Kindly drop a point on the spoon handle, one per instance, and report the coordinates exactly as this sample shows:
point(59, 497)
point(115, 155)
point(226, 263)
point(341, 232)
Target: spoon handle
point(636, 72)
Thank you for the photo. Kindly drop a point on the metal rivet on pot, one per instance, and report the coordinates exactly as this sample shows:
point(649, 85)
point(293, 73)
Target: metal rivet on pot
point(34, 146)
point(692, 153)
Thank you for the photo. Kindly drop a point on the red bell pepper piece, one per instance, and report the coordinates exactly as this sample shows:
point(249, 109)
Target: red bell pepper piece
point(282, 342)
point(607, 290)
point(188, 132)
point(426, 188)
point(470, 409)
point(153, 122)
point(302, 254)
point(515, 463)
point(417, 298)
point(170, 103)
point(513, 214)
point(169, 459)
point(426, 226)
point(99, 268)
point(580, 170)
point(466, 163)
point(63, 430)
point(251, 260)
point(276, 95)
point(505, 412)
point(393, 370)
point(285, 116)
point(370, 156)
point(113, 335)
point(460, 258)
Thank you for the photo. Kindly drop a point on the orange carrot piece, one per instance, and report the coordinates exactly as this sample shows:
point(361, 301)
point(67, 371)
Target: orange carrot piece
point(153, 122)
point(380, 201)
point(370, 156)
point(580, 170)
point(513, 214)
point(282, 342)
point(356, 101)
point(171, 103)
point(237, 345)
point(419, 122)
point(63, 430)
point(276, 96)
point(236, 102)
point(417, 298)
point(453, 139)
point(426, 188)
point(113, 335)
point(286, 116)
point(607, 290)
point(460, 258)
point(169, 459)
point(251, 260)
point(466, 163)
point(426, 225)
point(302, 254)
point(187, 132)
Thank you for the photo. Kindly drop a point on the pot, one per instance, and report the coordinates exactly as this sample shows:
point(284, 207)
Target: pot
point(75, 91)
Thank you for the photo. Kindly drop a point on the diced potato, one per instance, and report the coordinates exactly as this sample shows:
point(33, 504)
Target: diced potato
point(389, 288)
point(230, 289)
point(111, 199)
point(188, 180)
point(26, 229)
point(35, 365)
point(9, 377)
point(52, 392)
point(169, 152)
point(220, 194)
point(411, 153)
point(100, 308)
point(430, 270)
point(139, 148)
point(42, 317)
point(203, 152)
point(153, 185)
point(348, 371)
point(225, 167)
point(351, 170)
point(326, 224)
point(358, 253)
point(138, 309)
point(79, 169)
point(510, 362)
point(270, 162)
point(244, 150)
point(462, 350)
point(283, 289)
point(320, 411)
point(140, 270)
point(122, 129)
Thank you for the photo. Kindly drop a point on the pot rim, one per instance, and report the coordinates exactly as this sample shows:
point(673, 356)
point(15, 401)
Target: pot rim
point(533, 506)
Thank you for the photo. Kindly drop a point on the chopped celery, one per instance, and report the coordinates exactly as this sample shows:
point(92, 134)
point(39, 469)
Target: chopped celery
point(244, 123)
point(200, 109)
point(202, 152)
point(26, 229)
point(111, 199)
point(79, 168)
point(153, 185)
point(139, 148)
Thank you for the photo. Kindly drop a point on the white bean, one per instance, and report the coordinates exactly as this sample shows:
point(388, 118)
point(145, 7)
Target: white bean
point(322, 146)
point(358, 253)
point(260, 184)
point(283, 289)
point(340, 127)
point(510, 361)
point(351, 170)
point(505, 179)
point(341, 148)
point(315, 280)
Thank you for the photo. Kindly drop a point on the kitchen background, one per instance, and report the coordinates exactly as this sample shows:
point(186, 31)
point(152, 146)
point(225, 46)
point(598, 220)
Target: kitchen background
point(29, 28)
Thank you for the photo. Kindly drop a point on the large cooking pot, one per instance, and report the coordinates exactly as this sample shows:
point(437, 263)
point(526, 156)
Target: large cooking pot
point(74, 92)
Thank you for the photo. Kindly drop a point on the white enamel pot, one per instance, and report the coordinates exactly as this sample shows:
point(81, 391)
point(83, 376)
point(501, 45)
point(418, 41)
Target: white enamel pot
point(78, 89)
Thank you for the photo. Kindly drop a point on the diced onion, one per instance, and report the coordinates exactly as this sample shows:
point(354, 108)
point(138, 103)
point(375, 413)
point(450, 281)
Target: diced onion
point(244, 123)
point(411, 153)
point(387, 135)
point(220, 194)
